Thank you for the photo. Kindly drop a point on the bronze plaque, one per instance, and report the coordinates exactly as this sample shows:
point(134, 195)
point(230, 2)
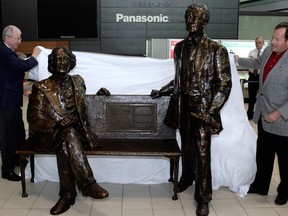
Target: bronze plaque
point(131, 117)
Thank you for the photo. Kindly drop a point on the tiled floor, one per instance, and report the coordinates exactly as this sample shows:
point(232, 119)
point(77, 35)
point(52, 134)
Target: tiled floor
point(136, 200)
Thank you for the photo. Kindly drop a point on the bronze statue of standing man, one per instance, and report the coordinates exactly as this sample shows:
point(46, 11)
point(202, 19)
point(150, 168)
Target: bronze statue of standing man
point(201, 87)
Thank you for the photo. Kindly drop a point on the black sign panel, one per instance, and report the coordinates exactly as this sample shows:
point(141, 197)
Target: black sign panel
point(67, 19)
point(131, 117)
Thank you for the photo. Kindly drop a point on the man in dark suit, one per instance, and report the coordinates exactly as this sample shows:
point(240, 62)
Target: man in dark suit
point(57, 117)
point(200, 88)
point(12, 72)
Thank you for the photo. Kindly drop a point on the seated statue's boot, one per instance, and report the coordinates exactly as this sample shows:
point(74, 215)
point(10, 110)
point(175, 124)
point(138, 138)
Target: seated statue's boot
point(95, 191)
point(202, 209)
point(62, 205)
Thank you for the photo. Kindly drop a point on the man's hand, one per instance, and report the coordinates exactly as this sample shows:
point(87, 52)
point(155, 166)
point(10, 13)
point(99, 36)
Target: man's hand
point(272, 117)
point(236, 58)
point(36, 51)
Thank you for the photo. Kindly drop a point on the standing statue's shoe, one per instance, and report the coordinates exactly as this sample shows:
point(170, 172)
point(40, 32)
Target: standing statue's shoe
point(95, 191)
point(202, 210)
point(62, 205)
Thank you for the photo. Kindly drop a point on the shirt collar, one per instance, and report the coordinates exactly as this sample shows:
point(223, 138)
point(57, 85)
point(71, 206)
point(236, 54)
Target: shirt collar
point(8, 46)
point(278, 54)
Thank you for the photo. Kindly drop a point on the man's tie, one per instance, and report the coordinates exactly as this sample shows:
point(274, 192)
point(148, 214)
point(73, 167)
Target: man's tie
point(255, 71)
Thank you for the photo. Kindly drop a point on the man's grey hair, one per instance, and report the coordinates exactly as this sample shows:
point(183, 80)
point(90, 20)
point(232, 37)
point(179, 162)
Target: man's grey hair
point(9, 30)
point(259, 37)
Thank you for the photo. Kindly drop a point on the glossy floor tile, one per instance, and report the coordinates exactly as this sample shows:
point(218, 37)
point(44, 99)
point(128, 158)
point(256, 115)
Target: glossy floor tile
point(134, 200)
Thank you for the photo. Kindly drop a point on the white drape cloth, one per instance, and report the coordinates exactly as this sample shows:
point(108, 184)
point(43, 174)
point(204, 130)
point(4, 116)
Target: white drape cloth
point(233, 151)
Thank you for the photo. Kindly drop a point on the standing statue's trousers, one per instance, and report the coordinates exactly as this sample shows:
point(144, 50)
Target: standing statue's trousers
point(196, 149)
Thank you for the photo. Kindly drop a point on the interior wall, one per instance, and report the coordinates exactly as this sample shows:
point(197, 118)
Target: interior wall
point(129, 38)
point(263, 5)
point(21, 13)
point(250, 26)
point(118, 36)
point(260, 17)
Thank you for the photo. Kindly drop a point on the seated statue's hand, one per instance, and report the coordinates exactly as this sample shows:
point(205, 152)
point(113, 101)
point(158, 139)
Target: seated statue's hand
point(91, 140)
point(155, 93)
point(103, 91)
point(64, 123)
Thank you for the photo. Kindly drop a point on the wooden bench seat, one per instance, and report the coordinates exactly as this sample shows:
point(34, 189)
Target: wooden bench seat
point(147, 138)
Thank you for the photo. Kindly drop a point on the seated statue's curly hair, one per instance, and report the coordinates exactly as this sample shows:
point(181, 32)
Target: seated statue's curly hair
point(52, 56)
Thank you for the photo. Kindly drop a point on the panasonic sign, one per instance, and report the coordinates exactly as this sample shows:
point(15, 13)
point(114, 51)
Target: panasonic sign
point(141, 19)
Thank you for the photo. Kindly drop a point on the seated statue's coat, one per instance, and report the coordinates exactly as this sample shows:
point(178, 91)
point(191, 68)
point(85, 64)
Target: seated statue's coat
point(45, 111)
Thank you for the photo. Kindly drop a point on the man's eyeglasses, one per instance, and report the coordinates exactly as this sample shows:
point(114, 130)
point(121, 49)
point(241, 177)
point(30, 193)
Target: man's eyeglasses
point(17, 39)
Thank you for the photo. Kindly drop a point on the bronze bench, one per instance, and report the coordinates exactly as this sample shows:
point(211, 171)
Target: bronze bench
point(126, 125)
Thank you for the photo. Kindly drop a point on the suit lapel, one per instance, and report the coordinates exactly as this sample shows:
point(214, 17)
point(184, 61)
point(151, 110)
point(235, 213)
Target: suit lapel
point(275, 70)
point(52, 96)
point(200, 55)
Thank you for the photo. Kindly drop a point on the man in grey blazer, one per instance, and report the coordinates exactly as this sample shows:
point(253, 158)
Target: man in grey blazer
point(271, 113)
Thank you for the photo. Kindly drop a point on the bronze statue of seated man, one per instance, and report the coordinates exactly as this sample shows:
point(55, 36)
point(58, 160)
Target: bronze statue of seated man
point(57, 117)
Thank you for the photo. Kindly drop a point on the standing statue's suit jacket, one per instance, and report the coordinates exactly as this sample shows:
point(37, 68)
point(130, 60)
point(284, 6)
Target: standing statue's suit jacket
point(273, 93)
point(45, 111)
point(212, 63)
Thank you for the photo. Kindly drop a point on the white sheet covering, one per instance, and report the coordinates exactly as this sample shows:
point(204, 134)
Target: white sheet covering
point(233, 151)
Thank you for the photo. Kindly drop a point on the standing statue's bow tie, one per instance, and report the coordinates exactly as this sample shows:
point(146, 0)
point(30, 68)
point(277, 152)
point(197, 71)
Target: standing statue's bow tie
point(192, 39)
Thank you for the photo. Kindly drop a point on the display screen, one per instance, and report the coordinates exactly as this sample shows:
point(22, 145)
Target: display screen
point(67, 19)
point(240, 47)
